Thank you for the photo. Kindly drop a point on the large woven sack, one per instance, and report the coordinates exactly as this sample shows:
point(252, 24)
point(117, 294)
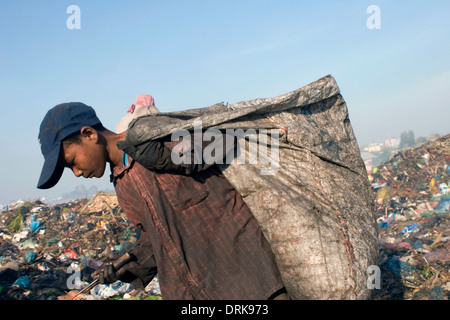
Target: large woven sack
point(311, 197)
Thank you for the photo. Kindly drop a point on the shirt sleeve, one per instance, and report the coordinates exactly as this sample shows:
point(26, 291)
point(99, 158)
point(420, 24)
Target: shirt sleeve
point(164, 155)
point(143, 267)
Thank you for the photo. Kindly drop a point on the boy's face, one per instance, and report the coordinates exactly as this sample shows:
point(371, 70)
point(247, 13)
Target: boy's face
point(87, 158)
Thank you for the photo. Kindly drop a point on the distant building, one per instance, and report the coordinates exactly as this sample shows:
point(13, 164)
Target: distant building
point(374, 147)
point(392, 143)
point(368, 160)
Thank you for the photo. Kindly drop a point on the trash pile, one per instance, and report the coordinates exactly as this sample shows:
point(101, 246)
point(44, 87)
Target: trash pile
point(413, 213)
point(50, 252)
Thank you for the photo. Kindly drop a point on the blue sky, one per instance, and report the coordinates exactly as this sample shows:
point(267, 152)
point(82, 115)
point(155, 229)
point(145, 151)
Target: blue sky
point(191, 54)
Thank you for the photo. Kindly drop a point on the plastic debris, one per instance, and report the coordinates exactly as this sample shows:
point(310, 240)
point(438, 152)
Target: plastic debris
point(35, 225)
point(413, 214)
point(70, 253)
point(411, 228)
point(47, 249)
point(110, 290)
point(22, 282)
point(429, 294)
point(398, 267)
point(442, 255)
point(31, 255)
point(443, 205)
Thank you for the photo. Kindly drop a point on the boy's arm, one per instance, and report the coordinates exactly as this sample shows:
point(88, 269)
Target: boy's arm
point(139, 270)
point(164, 155)
point(144, 269)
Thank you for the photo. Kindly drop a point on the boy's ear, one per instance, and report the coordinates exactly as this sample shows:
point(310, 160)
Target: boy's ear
point(89, 133)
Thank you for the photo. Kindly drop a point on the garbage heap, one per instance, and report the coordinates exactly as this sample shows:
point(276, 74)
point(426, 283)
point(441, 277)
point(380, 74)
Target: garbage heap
point(49, 252)
point(413, 201)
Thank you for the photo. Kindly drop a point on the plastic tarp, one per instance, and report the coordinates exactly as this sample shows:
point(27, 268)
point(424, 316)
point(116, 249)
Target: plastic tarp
point(310, 195)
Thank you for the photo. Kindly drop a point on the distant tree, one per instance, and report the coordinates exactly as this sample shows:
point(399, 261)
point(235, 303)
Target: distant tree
point(433, 137)
point(407, 139)
point(421, 140)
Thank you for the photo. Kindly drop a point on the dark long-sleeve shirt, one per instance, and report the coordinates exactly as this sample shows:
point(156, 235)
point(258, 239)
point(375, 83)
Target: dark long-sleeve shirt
point(196, 232)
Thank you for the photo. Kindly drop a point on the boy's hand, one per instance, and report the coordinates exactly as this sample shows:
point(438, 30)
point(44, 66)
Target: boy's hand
point(111, 272)
point(107, 274)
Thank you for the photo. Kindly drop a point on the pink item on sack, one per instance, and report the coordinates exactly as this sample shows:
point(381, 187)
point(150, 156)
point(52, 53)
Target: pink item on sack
point(131, 109)
point(144, 100)
point(144, 105)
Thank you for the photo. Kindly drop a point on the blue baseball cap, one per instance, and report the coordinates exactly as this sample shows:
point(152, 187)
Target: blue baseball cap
point(60, 122)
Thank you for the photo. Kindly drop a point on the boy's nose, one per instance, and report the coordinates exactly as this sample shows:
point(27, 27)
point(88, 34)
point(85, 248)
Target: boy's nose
point(77, 172)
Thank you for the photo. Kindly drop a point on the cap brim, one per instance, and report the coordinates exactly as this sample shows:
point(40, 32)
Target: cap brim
point(52, 169)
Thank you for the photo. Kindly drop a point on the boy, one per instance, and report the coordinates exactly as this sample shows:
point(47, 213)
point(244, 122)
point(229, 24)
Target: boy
point(196, 231)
